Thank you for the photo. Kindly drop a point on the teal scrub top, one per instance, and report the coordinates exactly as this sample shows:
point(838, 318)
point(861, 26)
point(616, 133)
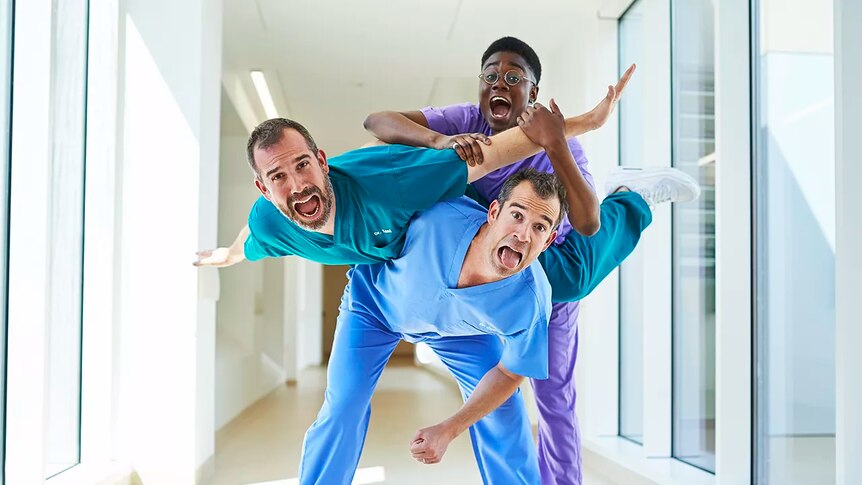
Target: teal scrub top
point(377, 191)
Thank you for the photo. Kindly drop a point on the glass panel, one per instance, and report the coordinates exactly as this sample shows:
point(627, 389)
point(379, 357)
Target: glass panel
point(693, 111)
point(68, 104)
point(795, 251)
point(631, 42)
point(5, 116)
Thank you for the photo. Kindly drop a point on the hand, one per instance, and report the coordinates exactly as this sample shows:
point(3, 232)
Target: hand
point(429, 444)
point(603, 110)
point(466, 145)
point(543, 126)
point(216, 258)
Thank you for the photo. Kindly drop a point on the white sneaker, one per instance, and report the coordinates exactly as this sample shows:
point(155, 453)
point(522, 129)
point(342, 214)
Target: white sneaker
point(655, 185)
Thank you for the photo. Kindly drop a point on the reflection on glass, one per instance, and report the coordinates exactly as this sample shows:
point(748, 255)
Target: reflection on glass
point(68, 105)
point(693, 78)
point(795, 252)
point(631, 42)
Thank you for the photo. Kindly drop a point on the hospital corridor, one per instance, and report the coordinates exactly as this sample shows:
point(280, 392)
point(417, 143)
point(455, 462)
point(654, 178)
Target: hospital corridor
point(270, 242)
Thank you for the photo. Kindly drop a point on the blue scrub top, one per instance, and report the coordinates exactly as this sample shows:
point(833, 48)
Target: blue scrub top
point(417, 295)
point(377, 191)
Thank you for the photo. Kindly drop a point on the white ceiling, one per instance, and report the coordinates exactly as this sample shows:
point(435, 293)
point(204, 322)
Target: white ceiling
point(330, 63)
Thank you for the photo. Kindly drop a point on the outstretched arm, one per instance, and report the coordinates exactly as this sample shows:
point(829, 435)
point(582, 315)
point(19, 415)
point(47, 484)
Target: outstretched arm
point(223, 257)
point(429, 444)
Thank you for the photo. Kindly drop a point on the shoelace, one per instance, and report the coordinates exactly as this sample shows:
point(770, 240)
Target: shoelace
point(662, 193)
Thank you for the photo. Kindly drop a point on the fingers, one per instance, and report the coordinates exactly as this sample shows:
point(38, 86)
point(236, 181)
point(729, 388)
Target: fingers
point(621, 84)
point(468, 148)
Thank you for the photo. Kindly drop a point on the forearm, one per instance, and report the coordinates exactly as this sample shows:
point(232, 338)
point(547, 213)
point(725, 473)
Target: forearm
point(583, 205)
point(493, 390)
point(236, 250)
point(513, 145)
point(394, 127)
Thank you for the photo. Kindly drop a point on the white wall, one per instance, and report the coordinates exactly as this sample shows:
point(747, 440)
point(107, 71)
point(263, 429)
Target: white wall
point(169, 112)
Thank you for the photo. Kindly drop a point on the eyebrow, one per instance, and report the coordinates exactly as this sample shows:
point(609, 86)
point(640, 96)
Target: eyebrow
point(297, 159)
point(497, 63)
point(543, 216)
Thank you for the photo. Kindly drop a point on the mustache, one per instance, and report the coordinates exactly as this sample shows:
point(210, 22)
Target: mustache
point(515, 244)
point(304, 194)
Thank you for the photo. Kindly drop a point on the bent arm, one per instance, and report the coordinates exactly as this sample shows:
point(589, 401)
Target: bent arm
point(497, 385)
point(404, 128)
point(582, 201)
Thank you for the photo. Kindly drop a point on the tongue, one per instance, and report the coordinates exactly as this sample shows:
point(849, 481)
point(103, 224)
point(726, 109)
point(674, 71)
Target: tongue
point(500, 109)
point(510, 258)
point(309, 207)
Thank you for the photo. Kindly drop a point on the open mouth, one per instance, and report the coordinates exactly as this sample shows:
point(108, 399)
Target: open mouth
point(500, 107)
point(509, 258)
point(309, 208)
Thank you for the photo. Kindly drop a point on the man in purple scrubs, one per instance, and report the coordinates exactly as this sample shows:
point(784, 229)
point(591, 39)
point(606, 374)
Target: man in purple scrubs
point(509, 84)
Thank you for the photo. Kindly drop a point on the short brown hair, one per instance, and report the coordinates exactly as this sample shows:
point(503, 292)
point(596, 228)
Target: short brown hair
point(271, 132)
point(546, 186)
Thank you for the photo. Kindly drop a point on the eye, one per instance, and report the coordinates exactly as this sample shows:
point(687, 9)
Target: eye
point(516, 215)
point(512, 78)
point(491, 77)
point(302, 165)
point(541, 228)
point(277, 176)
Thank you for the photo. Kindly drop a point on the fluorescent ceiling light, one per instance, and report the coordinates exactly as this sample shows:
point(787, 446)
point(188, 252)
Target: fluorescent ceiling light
point(264, 94)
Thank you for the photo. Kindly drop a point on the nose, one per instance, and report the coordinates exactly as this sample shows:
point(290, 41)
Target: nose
point(522, 233)
point(500, 85)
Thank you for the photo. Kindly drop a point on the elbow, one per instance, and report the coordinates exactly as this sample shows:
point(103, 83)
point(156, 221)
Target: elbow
point(373, 120)
point(588, 228)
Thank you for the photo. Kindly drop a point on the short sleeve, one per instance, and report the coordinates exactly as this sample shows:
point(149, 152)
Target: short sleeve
point(255, 250)
point(425, 176)
point(455, 119)
point(526, 353)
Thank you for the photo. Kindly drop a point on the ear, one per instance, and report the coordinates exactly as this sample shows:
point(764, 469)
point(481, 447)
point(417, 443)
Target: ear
point(262, 188)
point(534, 93)
point(550, 240)
point(493, 211)
point(321, 158)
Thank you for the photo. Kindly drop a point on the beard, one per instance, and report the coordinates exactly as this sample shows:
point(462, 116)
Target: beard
point(325, 210)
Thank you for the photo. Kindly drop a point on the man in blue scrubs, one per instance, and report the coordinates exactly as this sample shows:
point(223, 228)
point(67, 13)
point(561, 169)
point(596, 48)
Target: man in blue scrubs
point(467, 283)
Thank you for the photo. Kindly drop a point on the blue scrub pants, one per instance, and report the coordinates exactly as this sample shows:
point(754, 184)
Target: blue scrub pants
point(502, 440)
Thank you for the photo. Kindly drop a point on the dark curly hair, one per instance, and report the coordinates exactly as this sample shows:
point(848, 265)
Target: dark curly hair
point(517, 46)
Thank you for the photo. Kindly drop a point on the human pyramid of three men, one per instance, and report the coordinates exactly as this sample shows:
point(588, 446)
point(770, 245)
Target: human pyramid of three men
point(473, 228)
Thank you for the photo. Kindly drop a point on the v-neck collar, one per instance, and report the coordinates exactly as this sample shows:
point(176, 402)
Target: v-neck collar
point(458, 264)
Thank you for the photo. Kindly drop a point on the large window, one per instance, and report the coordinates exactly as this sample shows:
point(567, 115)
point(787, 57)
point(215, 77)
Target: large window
point(795, 252)
point(693, 119)
point(631, 44)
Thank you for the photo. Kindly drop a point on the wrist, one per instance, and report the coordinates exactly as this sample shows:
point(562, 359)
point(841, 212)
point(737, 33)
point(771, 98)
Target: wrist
point(452, 428)
point(437, 140)
point(558, 147)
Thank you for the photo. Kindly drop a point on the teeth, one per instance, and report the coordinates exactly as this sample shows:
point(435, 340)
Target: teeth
point(499, 98)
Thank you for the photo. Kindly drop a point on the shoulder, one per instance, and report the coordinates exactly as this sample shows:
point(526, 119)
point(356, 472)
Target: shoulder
point(261, 209)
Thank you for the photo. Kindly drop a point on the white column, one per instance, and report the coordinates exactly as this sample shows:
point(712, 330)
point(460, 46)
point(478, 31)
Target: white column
point(848, 246)
point(169, 192)
point(733, 329)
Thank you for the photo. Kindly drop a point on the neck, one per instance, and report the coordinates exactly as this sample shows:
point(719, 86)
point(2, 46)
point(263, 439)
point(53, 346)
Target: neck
point(474, 270)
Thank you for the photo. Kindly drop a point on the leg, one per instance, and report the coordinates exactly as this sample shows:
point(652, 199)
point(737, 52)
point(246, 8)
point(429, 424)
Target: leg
point(502, 440)
point(330, 452)
point(559, 438)
point(580, 263)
